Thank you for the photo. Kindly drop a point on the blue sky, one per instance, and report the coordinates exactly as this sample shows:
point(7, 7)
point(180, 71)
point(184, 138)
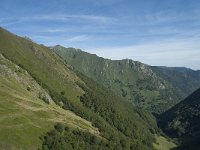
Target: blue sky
point(156, 32)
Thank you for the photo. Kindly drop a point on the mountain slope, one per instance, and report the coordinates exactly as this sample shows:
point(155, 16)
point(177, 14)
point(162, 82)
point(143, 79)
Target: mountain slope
point(183, 121)
point(129, 79)
point(119, 123)
point(185, 80)
point(27, 110)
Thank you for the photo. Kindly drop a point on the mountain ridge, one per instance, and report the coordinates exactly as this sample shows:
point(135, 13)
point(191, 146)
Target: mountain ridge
point(145, 86)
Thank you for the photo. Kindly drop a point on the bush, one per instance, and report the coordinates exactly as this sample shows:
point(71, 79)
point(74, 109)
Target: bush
point(59, 127)
point(59, 139)
point(62, 93)
point(43, 97)
point(28, 88)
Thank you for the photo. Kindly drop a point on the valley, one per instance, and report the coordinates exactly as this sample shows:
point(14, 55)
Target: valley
point(52, 96)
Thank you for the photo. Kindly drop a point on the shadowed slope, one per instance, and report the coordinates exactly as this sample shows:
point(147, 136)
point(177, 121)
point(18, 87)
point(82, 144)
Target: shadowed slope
point(183, 121)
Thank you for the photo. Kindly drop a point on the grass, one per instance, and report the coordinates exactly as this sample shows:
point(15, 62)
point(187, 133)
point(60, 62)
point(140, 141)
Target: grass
point(23, 116)
point(42, 63)
point(117, 120)
point(163, 143)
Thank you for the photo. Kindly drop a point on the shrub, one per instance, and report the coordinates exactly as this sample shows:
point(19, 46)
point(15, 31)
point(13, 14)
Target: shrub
point(28, 88)
point(43, 97)
point(59, 127)
point(62, 93)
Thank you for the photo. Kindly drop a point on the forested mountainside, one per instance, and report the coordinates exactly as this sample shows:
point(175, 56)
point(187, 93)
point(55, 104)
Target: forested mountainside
point(46, 104)
point(183, 122)
point(151, 88)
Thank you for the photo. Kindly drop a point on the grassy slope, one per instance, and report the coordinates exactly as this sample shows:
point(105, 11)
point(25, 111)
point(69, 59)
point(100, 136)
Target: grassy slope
point(23, 116)
point(132, 80)
point(163, 143)
point(56, 78)
point(40, 62)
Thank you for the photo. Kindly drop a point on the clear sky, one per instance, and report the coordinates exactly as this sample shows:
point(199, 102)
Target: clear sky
point(156, 32)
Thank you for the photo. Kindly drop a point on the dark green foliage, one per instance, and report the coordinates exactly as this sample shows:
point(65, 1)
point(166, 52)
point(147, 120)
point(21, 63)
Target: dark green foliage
point(124, 93)
point(183, 122)
point(120, 114)
point(28, 88)
point(73, 139)
point(59, 127)
point(127, 133)
point(62, 93)
point(190, 143)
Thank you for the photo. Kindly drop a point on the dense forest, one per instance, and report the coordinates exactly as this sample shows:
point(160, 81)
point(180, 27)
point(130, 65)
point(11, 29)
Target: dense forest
point(183, 122)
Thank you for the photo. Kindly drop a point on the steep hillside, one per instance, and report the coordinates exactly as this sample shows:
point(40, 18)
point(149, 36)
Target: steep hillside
point(118, 125)
point(129, 79)
point(183, 122)
point(27, 111)
point(185, 80)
